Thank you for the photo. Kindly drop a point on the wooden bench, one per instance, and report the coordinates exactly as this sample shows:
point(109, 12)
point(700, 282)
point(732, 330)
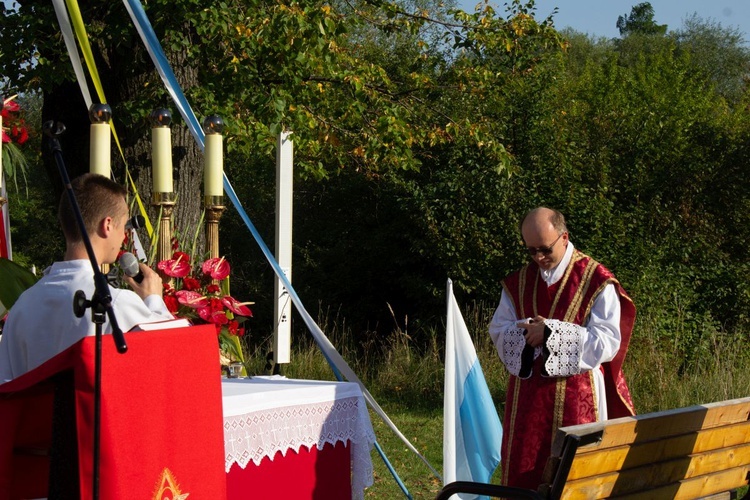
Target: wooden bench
point(692, 452)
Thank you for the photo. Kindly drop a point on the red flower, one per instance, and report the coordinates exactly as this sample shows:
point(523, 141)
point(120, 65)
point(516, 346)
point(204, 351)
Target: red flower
point(236, 306)
point(6, 137)
point(10, 107)
point(172, 304)
point(217, 268)
point(216, 305)
point(213, 288)
point(215, 317)
point(234, 329)
point(181, 256)
point(192, 299)
point(175, 243)
point(190, 284)
point(177, 267)
point(20, 134)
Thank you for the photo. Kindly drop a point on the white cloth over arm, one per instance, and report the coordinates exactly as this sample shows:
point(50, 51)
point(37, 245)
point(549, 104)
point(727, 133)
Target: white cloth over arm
point(41, 324)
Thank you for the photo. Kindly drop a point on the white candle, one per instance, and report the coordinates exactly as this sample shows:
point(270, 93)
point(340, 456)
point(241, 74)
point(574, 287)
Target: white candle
point(161, 159)
point(213, 174)
point(100, 149)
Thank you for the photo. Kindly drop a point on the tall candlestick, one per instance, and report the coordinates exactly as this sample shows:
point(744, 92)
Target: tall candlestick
point(100, 141)
point(161, 151)
point(213, 174)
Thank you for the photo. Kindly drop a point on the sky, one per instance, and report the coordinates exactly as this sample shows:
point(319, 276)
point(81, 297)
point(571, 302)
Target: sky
point(599, 17)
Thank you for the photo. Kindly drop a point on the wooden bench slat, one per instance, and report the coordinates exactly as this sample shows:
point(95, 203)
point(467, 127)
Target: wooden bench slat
point(628, 457)
point(693, 470)
point(697, 487)
point(651, 426)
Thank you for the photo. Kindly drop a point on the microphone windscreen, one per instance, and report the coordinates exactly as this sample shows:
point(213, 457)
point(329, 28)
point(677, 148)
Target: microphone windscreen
point(129, 264)
point(135, 222)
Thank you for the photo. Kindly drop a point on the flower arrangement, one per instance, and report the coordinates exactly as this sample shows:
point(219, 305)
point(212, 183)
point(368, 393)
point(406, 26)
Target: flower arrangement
point(14, 134)
point(201, 294)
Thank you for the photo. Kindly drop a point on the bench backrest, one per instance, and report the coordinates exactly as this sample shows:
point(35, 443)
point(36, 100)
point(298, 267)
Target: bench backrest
point(684, 453)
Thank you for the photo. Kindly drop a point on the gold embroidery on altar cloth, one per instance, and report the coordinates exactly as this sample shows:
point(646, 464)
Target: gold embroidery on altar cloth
point(167, 487)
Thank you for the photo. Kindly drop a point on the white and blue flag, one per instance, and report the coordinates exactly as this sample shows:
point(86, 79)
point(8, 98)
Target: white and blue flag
point(472, 433)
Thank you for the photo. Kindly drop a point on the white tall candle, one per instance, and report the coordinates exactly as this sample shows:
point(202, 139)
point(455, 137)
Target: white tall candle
point(161, 159)
point(100, 147)
point(213, 174)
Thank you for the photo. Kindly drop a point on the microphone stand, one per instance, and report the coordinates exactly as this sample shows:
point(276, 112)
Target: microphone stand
point(100, 303)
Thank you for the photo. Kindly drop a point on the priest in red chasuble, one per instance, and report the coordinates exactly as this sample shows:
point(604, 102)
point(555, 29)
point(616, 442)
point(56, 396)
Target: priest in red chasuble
point(562, 330)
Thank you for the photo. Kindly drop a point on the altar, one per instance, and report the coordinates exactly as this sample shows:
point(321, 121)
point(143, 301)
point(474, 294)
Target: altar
point(289, 438)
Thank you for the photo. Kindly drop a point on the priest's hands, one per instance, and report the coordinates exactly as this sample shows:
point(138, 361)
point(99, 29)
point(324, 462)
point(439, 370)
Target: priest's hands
point(534, 330)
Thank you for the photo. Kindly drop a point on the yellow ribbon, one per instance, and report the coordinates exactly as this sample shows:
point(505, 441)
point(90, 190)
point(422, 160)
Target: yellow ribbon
point(88, 56)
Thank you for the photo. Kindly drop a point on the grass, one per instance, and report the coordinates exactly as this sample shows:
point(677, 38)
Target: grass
point(407, 381)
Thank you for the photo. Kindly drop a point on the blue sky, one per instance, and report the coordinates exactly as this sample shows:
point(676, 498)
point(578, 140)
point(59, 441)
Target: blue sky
point(599, 17)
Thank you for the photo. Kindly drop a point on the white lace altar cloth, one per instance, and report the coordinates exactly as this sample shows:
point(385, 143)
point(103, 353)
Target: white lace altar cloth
point(264, 415)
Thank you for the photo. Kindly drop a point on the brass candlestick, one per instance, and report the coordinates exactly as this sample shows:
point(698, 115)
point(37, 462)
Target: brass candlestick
point(165, 203)
point(214, 206)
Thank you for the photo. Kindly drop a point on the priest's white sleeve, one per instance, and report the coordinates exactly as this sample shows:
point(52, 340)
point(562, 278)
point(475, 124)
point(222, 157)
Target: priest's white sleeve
point(509, 339)
point(576, 349)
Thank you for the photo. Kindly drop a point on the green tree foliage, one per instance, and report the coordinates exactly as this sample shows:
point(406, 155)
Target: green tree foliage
point(422, 136)
point(640, 21)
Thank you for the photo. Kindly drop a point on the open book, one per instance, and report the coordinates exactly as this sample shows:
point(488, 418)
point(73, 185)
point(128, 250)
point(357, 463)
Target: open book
point(161, 325)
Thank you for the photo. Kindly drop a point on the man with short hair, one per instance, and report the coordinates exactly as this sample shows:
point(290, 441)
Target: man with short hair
point(41, 323)
point(562, 330)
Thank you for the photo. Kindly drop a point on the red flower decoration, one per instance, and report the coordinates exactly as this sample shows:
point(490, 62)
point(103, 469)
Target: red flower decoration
point(181, 256)
point(192, 299)
point(190, 284)
point(215, 305)
point(10, 107)
point(236, 306)
point(215, 317)
point(217, 268)
point(212, 288)
point(176, 268)
point(172, 303)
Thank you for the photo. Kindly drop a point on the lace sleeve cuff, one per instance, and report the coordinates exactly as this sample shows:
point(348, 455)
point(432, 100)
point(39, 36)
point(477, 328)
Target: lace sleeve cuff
point(513, 344)
point(513, 350)
point(563, 348)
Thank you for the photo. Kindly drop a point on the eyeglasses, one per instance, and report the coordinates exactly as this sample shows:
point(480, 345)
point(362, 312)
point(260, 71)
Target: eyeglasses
point(543, 250)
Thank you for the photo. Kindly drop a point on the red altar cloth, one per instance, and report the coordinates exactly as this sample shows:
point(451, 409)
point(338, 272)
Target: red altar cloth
point(314, 474)
point(161, 418)
point(301, 439)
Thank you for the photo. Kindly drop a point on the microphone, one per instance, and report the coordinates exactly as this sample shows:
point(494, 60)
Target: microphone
point(130, 266)
point(135, 222)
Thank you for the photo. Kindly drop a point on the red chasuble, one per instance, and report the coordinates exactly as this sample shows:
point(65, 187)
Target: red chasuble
point(536, 407)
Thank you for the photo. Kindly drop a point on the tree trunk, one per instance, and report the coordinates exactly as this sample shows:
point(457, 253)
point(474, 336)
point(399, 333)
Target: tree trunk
point(125, 82)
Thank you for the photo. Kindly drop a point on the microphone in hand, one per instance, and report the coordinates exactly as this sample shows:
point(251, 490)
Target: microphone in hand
point(130, 266)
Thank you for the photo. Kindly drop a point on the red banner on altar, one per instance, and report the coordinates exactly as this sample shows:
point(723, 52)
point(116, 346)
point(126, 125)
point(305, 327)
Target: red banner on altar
point(161, 418)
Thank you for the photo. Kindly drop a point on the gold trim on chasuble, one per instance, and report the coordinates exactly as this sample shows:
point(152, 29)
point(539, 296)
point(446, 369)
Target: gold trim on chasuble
point(570, 315)
point(513, 413)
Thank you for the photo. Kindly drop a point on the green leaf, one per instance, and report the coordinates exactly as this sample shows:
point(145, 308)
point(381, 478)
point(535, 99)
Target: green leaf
point(15, 281)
